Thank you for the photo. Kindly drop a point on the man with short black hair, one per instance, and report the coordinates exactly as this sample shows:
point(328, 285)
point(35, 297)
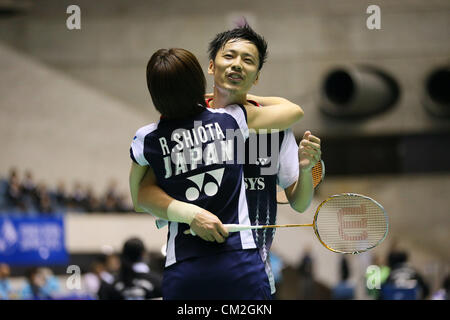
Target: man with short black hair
point(236, 58)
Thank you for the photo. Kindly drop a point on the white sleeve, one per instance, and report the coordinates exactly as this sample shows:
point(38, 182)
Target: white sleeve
point(137, 145)
point(288, 169)
point(239, 114)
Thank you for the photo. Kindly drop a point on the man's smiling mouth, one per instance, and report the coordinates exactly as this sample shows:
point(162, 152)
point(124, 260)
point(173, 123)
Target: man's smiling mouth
point(233, 76)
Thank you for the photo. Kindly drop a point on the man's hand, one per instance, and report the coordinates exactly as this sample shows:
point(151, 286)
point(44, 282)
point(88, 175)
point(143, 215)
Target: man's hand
point(309, 152)
point(208, 227)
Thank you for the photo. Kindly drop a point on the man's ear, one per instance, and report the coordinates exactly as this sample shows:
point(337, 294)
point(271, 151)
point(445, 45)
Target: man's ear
point(256, 79)
point(211, 67)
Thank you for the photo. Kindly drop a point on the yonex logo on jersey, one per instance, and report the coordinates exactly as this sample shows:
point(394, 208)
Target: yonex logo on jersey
point(263, 161)
point(210, 188)
point(254, 183)
point(258, 151)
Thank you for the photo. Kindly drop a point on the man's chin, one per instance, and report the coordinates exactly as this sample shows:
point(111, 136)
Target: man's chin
point(234, 89)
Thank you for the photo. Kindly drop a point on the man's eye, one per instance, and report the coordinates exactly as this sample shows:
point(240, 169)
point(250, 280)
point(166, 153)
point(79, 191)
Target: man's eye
point(249, 60)
point(228, 56)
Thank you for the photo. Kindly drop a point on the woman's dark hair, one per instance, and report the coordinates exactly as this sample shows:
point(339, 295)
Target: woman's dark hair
point(132, 252)
point(176, 83)
point(244, 32)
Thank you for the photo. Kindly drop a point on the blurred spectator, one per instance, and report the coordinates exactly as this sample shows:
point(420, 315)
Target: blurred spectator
point(109, 204)
point(90, 200)
point(14, 193)
point(41, 192)
point(306, 276)
point(111, 190)
point(403, 277)
point(5, 286)
point(28, 197)
point(34, 288)
point(135, 280)
point(112, 264)
point(77, 198)
point(45, 205)
point(28, 184)
point(93, 204)
point(61, 197)
point(13, 174)
point(344, 290)
point(444, 292)
point(92, 280)
point(51, 284)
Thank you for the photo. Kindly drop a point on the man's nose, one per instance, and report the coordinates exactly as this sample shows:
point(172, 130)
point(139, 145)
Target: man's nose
point(236, 66)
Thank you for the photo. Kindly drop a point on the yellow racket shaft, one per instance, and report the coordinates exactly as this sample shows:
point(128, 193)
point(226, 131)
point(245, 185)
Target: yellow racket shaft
point(242, 227)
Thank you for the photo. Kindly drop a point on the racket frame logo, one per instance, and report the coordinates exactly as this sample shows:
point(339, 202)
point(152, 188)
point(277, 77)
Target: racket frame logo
point(345, 224)
point(355, 195)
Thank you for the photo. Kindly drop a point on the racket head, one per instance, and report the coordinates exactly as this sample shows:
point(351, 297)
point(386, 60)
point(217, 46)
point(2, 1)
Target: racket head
point(318, 174)
point(350, 223)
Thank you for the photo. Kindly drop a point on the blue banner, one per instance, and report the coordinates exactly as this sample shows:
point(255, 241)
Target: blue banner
point(32, 240)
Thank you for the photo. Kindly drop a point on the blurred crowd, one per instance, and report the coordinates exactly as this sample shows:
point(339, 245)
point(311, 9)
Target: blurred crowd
point(23, 195)
point(39, 284)
point(396, 278)
point(134, 274)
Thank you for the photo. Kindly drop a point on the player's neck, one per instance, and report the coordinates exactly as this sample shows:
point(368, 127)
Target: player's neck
point(224, 98)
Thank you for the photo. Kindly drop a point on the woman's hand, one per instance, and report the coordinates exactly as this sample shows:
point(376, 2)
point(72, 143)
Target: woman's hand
point(208, 227)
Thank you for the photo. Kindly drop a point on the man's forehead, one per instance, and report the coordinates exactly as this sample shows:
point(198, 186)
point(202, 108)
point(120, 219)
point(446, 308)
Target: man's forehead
point(241, 45)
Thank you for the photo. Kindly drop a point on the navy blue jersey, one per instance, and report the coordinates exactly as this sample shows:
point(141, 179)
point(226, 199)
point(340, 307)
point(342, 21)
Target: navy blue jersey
point(271, 168)
point(196, 160)
point(276, 164)
point(271, 160)
point(264, 169)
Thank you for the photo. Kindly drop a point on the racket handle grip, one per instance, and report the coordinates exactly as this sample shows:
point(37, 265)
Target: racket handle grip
point(239, 227)
point(230, 228)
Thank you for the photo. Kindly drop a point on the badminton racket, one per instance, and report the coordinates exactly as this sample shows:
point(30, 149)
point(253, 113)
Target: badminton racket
point(344, 223)
point(318, 174)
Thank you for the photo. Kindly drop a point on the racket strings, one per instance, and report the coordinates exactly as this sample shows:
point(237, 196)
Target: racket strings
point(351, 224)
point(317, 173)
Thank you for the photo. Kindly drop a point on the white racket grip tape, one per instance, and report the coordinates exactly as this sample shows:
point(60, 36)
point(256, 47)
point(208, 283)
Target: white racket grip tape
point(239, 227)
point(230, 228)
